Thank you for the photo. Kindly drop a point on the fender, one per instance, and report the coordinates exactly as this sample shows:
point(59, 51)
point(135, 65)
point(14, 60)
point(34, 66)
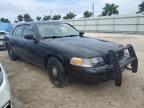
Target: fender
point(59, 57)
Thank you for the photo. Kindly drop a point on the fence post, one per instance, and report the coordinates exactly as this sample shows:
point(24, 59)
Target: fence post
point(137, 23)
point(97, 25)
point(114, 24)
point(85, 25)
point(73, 23)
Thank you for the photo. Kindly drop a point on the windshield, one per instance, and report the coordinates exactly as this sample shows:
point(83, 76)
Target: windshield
point(57, 30)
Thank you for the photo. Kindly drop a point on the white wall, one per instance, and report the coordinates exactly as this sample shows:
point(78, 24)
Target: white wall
point(129, 23)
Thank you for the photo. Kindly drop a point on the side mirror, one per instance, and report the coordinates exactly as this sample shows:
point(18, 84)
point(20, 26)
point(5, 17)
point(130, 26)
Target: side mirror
point(81, 33)
point(29, 37)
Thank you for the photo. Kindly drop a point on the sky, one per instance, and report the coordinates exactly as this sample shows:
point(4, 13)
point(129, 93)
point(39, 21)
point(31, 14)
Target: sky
point(12, 8)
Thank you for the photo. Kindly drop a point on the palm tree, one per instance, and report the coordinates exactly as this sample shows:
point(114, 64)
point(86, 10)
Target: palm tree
point(69, 15)
point(87, 14)
point(20, 18)
point(46, 18)
point(27, 18)
point(110, 9)
point(56, 17)
point(38, 18)
point(15, 21)
point(5, 20)
point(141, 7)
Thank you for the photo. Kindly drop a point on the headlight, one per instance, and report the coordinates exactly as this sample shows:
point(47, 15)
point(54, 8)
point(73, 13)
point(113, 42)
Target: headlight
point(126, 53)
point(87, 62)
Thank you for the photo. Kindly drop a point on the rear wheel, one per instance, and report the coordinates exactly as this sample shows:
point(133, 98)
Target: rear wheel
point(56, 72)
point(11, 54)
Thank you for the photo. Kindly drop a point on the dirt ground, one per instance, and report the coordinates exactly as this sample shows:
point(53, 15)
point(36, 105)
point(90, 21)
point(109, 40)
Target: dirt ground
point(31, 87)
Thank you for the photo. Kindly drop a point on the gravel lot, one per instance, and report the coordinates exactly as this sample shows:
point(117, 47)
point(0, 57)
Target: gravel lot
point(31, 87)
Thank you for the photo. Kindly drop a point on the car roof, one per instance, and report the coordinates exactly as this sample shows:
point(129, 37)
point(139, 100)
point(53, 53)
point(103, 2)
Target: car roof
point(39, 22)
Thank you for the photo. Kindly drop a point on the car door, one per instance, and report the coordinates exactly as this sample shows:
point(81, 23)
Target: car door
point(31, 47)
point(16, 40)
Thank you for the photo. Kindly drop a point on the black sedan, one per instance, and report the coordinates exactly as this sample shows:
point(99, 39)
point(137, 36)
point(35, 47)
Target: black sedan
point(66, 53)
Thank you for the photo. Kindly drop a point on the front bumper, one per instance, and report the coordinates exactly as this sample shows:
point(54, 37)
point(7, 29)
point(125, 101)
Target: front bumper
point(109, 71)
point(5, 95)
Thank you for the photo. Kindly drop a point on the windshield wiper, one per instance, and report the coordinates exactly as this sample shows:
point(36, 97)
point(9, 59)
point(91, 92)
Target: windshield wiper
point(70, 35)
point(59, 36)
point(53, 37)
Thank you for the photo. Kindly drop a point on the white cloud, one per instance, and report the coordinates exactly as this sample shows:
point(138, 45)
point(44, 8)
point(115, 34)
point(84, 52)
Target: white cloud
point(12, 8)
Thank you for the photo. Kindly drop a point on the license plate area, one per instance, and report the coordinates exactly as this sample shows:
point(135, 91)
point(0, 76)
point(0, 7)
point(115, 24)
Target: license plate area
point(118, 67)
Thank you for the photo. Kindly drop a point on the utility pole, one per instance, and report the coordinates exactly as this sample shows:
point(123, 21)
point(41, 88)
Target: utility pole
point(51, 14)
point(93, 8)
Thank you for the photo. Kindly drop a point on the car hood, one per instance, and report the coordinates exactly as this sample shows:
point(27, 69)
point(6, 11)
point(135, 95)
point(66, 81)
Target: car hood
point(85, 46)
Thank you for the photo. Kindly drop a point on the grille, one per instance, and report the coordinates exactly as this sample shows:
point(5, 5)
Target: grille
point(119, 56)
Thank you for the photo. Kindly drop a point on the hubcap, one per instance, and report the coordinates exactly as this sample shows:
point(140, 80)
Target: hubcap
point(54, 71)
point(10, 51)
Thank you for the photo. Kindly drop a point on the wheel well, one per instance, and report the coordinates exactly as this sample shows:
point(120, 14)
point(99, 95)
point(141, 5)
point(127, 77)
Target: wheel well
point(51, 55)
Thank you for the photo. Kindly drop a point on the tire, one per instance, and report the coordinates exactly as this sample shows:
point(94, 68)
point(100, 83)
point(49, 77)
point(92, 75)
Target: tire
point(11, 54)
point(56, 72)
point(118, 79)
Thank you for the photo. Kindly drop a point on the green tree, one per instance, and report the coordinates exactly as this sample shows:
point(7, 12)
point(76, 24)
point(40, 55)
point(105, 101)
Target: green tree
point(2, 19)
point(5, 20)
point(46, 18)
point(16, 21)
point(110, 9)
point(56, 17)
point(27, 18)
point(69, 15)
point(87, 14)
point(38, 18)
point(141, 7)
point(20, 18)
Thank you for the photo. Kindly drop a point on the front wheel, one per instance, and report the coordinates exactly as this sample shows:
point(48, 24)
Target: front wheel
point(56, 72)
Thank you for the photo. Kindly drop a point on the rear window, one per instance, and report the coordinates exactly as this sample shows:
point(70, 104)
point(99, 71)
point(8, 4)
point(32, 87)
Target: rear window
point(18, 31)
